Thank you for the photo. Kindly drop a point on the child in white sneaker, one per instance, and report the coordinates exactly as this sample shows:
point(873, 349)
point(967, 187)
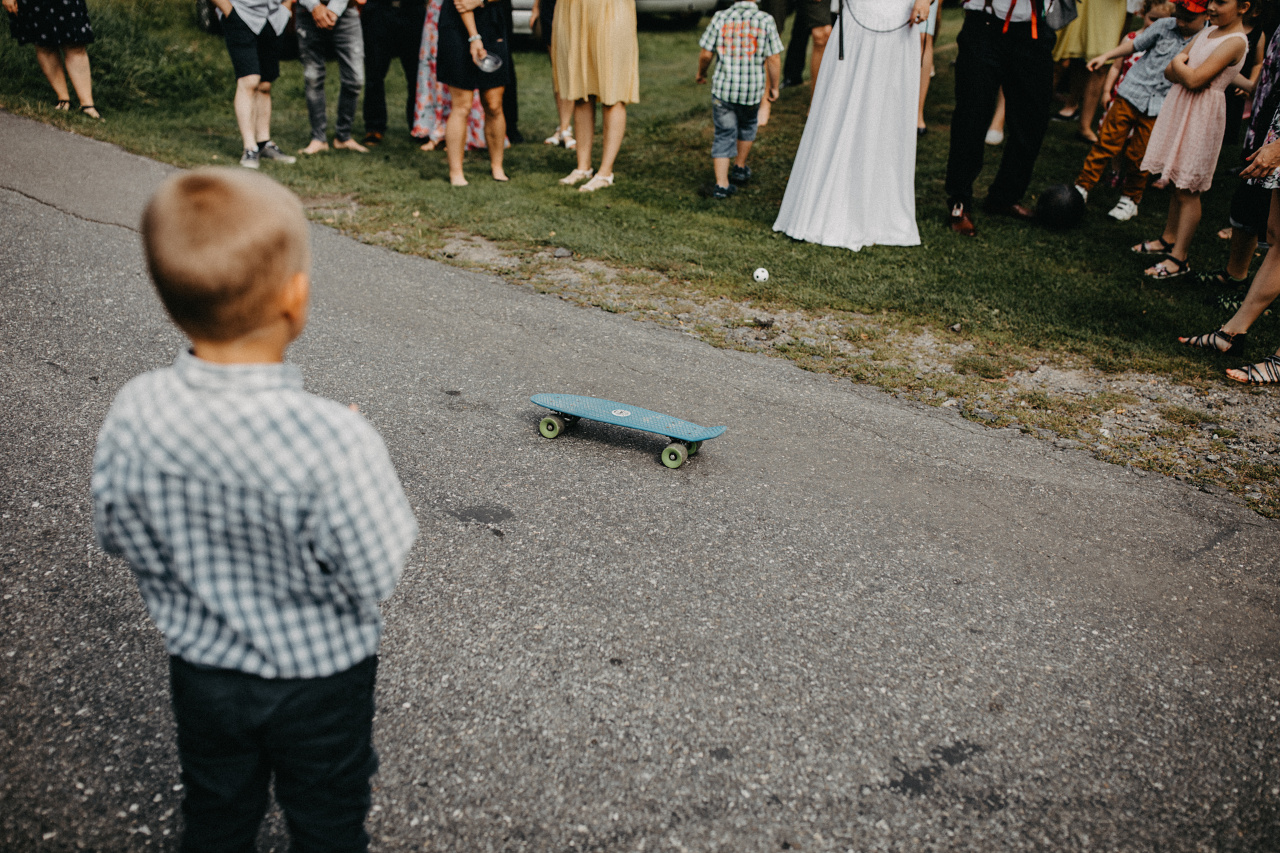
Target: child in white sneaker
point(1132, 115)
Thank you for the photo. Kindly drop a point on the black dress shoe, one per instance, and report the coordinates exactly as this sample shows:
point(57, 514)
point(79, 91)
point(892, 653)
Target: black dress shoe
point(921, 131)
point(1014, 210)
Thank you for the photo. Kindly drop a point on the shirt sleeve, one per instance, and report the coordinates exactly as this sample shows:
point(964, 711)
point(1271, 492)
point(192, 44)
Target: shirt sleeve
point(104, 486)
point(366, 525)
point(337, 7)
point(709, 35)
point(308, 4)
point(773, 41)
point(1144, 40)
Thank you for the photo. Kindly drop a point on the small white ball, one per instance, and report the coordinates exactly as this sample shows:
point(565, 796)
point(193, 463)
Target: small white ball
point(762, 274)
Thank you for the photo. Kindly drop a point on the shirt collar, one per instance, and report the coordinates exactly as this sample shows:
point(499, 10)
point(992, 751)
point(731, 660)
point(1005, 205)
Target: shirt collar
point(244, 378)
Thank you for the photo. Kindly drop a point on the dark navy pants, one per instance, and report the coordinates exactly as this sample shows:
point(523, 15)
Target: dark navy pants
point(314, 734)
point(990, 58)
point(392, 31)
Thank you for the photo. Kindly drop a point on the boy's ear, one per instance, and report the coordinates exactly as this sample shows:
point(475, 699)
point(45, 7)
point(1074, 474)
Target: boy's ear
point(295, 296)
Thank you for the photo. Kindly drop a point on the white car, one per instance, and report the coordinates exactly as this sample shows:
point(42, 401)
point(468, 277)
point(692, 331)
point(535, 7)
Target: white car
point(687, 12)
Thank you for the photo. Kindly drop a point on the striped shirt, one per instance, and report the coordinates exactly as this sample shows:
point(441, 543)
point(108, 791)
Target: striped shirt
point(264, 524)
point(742, 37)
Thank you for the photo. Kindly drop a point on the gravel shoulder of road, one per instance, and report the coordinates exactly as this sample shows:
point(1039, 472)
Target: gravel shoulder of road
point(1222, 437)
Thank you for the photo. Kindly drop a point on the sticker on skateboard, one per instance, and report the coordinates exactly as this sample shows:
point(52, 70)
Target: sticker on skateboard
point(566, 409)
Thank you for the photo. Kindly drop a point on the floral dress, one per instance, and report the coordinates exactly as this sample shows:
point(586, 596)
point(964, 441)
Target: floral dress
point(432, 108)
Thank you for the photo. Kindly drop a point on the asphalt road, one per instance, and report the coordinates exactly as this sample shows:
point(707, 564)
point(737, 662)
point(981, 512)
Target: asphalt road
point(850, 623)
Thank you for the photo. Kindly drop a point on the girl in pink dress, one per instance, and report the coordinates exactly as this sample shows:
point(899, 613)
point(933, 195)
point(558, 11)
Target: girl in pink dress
point(1187, 138)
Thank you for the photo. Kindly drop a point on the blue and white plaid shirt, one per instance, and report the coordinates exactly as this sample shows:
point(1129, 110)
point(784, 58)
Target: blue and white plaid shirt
point(742, 37)
point(264, 524)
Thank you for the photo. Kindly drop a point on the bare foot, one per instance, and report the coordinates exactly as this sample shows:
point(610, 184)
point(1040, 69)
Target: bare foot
point(429, 145)
point(499, 175)
point(459, 181)
point(1225, 233)
point(315, 146)
point(350, 145)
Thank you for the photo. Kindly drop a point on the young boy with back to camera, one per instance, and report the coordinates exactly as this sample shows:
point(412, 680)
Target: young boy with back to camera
point(263, 524)
point(745, 43)
point(1132, 115)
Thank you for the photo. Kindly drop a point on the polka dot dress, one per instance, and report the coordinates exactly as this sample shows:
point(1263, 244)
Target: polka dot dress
point(51, 23)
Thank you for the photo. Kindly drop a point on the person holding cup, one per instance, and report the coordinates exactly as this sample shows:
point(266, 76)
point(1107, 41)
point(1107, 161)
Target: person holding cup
point(473, 51)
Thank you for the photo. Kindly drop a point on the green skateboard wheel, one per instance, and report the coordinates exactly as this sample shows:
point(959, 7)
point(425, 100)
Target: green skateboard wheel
point(674, 455)
point(551, 426)
point(693, 448)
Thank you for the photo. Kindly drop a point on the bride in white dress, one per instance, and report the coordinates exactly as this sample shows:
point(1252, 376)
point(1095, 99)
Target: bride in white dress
point(853, 180)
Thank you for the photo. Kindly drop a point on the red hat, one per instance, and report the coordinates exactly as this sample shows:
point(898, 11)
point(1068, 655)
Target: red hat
point(1194, 6)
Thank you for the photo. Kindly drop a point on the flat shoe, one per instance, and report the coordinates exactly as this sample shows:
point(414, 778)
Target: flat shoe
point(1211, 341)
point(596, 183)
point(1145, 247)
point(577, 176)
point(1160, 272)
point(1265, 372)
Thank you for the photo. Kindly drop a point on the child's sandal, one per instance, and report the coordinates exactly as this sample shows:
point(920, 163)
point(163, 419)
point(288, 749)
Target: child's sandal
point(1160, 272)
point(1265, 372)
point(62, 106)
point(1157, 246)
point(1215, 340)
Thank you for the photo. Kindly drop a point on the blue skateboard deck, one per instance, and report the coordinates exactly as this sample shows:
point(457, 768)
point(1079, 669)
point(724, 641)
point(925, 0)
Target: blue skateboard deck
point(685, 437)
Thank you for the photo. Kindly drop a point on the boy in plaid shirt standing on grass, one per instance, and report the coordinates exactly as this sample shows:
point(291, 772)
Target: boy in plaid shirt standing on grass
point(264, 525)
point(746, 45)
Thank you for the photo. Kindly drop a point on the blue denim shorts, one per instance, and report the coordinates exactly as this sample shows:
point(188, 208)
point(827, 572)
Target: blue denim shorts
point(734, 123)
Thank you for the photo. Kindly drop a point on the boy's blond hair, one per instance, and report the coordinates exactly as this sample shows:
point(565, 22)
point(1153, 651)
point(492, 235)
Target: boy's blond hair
point(220, 243)
point(1164, 7)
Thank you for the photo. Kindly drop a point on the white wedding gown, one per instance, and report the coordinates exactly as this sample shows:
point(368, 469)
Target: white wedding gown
point(853, 180)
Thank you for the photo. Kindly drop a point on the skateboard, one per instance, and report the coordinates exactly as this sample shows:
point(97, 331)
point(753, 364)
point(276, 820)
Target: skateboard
point(566, 409)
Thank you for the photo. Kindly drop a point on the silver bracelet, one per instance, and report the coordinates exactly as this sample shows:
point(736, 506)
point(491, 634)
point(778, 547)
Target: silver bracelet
point(476, 37)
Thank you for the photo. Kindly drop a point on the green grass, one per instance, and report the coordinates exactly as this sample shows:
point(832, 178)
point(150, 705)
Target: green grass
point(166, 90)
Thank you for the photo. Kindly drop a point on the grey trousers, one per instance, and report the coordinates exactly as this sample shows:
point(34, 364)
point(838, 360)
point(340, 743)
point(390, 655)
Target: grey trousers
point(347, 42)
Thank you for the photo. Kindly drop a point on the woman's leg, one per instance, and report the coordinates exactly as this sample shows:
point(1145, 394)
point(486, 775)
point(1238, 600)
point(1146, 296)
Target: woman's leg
point(1266, 284)
point(51, 64)
point(495, 130)
point(455, 133)
point(77, 59)
point(564, 110)
point(997, 119)
point(926, 65)
point(584, 126)
point(615, 127)
point(1089, 103)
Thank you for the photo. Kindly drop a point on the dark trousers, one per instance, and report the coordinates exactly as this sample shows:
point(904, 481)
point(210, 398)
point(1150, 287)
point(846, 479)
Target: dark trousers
point(315, 734)
point(796, 55)
point(390, 32)
point(989, 59)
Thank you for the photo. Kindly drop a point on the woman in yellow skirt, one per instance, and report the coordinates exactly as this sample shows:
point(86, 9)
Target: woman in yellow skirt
point(1098, 28)
point(597, 58)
